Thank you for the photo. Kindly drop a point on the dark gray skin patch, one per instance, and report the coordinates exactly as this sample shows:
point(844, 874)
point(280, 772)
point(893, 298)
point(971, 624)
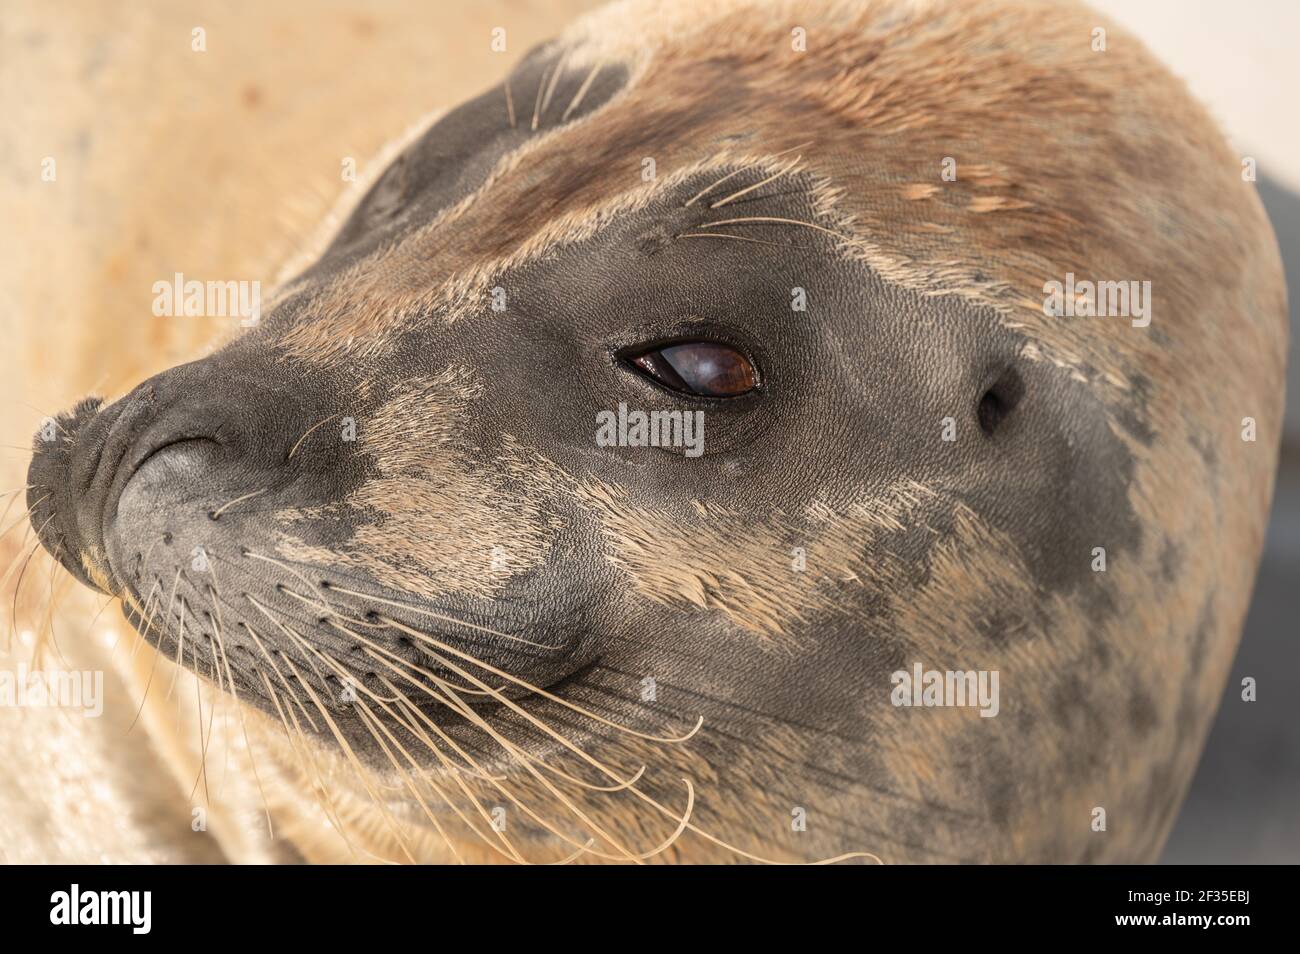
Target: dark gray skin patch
point(1209, 453)
point(1131, 414)
point(1142, 713)
point(1169, 776)
point(1171, 560)
point(853, 396)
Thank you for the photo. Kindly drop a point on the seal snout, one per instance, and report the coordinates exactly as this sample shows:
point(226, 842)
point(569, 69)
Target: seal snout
point(61, 494)
point(83, 460)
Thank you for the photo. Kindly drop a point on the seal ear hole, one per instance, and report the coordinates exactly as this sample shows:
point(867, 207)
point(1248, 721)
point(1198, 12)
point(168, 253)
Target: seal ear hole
point(1001, 398)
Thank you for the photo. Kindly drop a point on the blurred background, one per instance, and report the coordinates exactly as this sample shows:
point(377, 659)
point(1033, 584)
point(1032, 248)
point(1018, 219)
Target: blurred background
point(258, 122)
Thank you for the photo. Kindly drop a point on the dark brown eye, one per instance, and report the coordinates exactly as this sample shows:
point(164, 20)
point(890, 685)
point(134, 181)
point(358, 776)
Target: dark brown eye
point(704, 368)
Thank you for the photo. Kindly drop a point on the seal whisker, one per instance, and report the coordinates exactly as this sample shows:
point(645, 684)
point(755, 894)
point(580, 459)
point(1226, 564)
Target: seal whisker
point(18, 585)
point(141, 609)
point(730, 175)
point(559, 737)
point(368, 720)
point(371, 649)
point(47, 624)
point(495, 781)
point(144, 638)
point(789, 167)
point(9, 506)
point(445, 618)
point(450, 699)
point(215, 602)
point(288, 632)
point(17, 557)
point(739, 238)
point(257, 641)
point(456, 776)
point(307, 433)
point(323, 605)
point(510, 103)
point(537, 104)
point(425, 637)
point(302, 747)
point(583, 755)
point(204, 739)
point(176, 664)
point(13, 628)
point(582, 91)
point(100, 612)
point(223, 701)
point(358, 768)
point(26, 517)
point(776, 220)
point(302, 753)
point(513, 750)
point(224, 507)
point(550, 88)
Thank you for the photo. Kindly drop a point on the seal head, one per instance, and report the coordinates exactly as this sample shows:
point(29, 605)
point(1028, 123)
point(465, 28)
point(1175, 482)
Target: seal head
point(415, 518)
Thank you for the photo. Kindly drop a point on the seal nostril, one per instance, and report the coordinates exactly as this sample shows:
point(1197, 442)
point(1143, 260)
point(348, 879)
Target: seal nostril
point(997, 403)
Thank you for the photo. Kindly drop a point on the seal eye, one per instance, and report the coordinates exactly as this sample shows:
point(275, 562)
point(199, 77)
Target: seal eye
point(703, 368)
point(386, 197)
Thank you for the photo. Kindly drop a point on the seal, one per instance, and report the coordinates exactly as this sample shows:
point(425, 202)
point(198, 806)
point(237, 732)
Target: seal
point(950, 574)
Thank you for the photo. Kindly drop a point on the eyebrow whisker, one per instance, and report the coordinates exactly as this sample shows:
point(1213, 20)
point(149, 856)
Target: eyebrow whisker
point(789, 167)
point(740, 238)
point(582, 91)
point(709, 188)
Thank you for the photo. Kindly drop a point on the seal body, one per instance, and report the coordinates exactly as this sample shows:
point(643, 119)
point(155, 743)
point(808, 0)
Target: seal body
point(462, 625)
